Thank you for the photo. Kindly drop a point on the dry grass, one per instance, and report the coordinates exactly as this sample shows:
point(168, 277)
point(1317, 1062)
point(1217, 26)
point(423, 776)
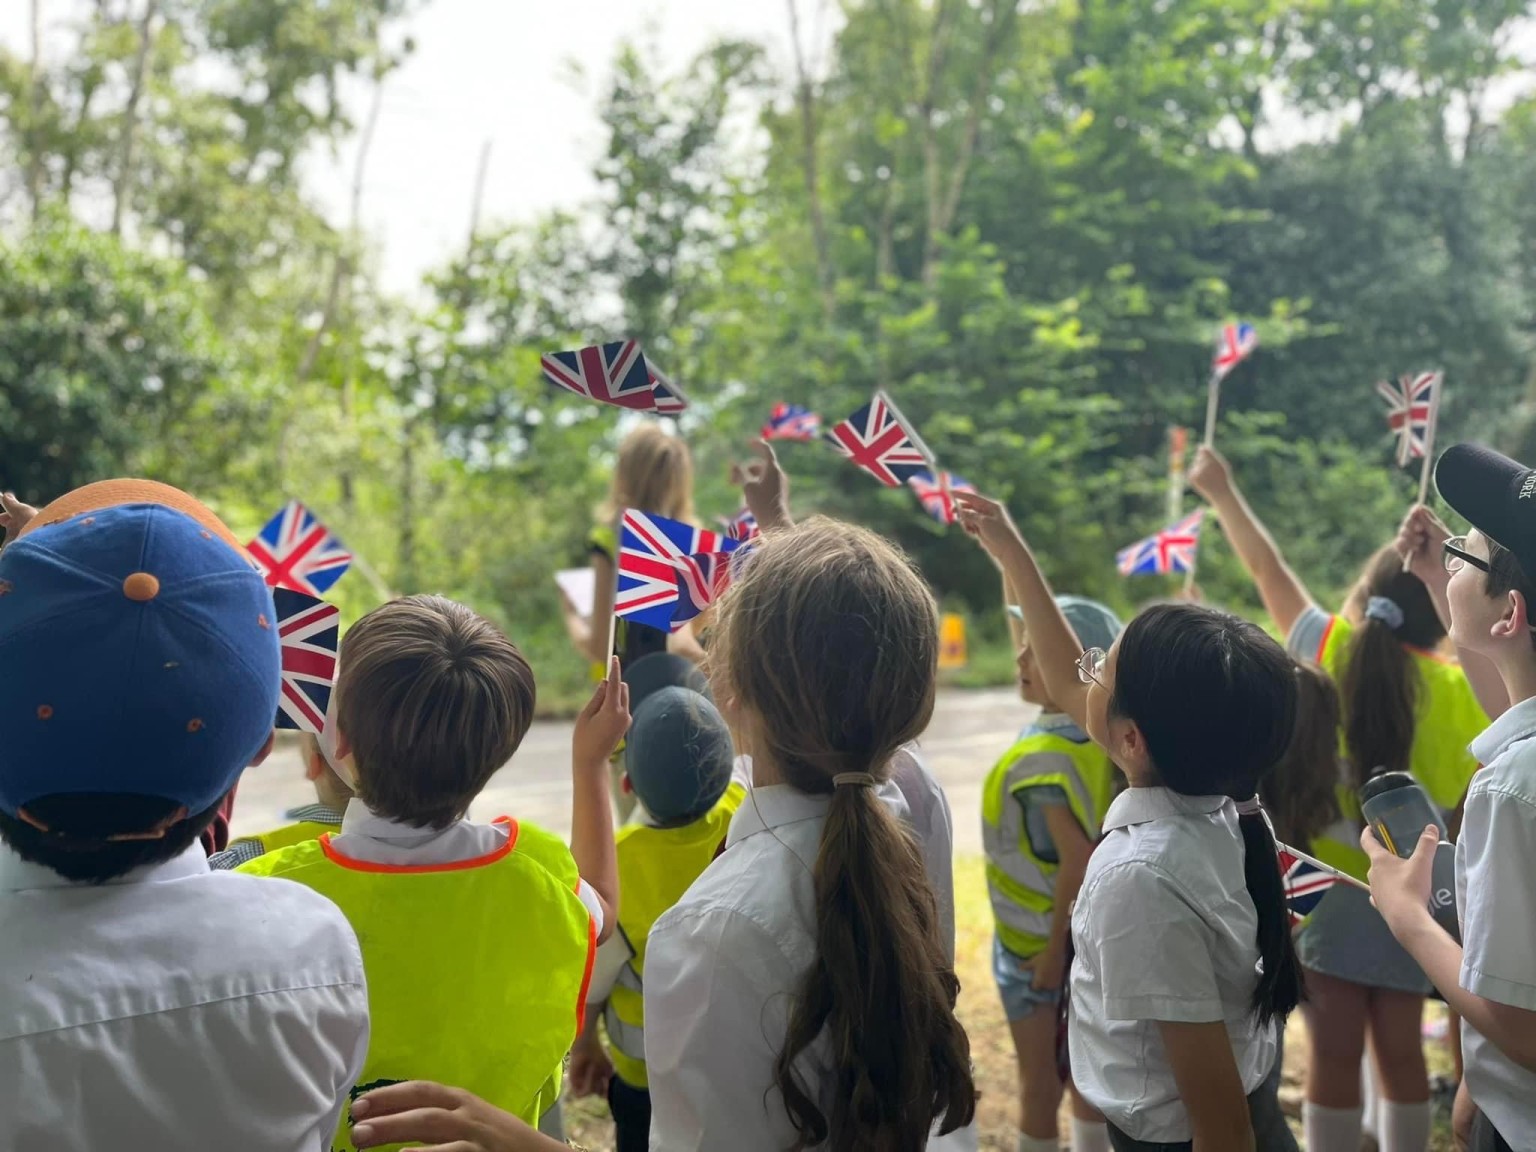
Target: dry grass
point(991, 1047)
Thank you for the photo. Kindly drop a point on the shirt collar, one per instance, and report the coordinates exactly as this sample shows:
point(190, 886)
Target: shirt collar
point(360, 820)
point(1143, 805)
point(1059, 724)
point(18, 875)
point(773, 806)
point(1516, 724)
point(316, 814)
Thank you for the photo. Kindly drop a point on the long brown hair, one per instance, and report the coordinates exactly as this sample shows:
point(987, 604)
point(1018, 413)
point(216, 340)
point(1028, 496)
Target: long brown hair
point(1380, 681)
point(654, 473)
point(827, 649)
point(1301, 793)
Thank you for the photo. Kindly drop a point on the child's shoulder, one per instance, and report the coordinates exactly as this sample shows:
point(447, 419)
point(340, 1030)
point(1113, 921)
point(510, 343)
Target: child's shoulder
point(537, 843)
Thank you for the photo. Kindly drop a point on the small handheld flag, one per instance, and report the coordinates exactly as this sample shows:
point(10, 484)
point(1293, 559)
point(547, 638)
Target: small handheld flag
point(878, 441)
point(1412, 403)
point(1307, 881)
point(298, 552)
point(742, 527)
point(652, 551)
point(309, 631)
point(936, 496)
point(700, 581)
point(667, 397)
point(1234, 344)
point(792, 422)
point(1171, 550)
point(614, 373)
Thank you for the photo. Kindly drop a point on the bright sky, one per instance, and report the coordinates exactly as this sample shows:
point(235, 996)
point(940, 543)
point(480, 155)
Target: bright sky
point(497, 70)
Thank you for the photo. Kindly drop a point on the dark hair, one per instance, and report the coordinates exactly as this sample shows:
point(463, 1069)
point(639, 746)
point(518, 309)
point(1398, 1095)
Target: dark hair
point(1301, 794)
point(1380, 681)
point(828, 641)
point(433, 699)
point(1506, 575)
point(1215, 700)
point(76, 845)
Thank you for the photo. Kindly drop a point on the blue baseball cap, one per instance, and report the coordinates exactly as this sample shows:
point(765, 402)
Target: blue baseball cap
point(139, 651)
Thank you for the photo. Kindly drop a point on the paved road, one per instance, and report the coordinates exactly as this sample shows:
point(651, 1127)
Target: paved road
point(969, 731)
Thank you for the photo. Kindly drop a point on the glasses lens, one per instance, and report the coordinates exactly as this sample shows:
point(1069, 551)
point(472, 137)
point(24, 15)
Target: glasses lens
point(1453, 562)
point(1091, 666)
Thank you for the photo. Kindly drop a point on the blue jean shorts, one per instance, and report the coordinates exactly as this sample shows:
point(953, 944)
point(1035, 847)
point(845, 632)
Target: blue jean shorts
point(1016, 984)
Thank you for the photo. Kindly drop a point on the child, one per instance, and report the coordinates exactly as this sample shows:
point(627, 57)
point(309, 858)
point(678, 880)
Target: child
point(1405, 708)
point(1486, 588)
point(800, 994)
point(678, 765)
point(478, 938)
point(1042, 806)
point(1184, 966)
point(309, 820)
point(150, 1003)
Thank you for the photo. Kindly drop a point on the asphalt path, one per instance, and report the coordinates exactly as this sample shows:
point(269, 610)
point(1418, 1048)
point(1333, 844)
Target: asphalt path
point(970, 730)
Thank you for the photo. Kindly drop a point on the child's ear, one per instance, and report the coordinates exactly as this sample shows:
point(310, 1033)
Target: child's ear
point(314, 762)
point(1515, 619)
point(266, 749)
point(625, 786)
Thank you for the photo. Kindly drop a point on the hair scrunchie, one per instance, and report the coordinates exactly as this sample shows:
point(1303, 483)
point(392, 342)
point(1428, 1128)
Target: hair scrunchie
point(854, 780)
point(1386, 610)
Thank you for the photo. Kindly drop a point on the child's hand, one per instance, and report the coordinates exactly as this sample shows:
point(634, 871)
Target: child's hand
point(1400, 889)
point(988, 521)
point(418, 1112)
point(590, 1070)
point(1420, 541)
point(1211, 476)
point(1048, 969)
point(764, 486)
point(603, 721)
point(14, 516)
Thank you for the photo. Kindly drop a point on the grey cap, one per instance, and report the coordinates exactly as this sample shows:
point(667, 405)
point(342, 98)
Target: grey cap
point(678, 755)
point(1096, 626)
point(659, 670)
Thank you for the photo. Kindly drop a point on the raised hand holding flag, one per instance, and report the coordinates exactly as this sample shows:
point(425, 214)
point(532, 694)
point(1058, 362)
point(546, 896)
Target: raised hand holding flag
point(1234, 344)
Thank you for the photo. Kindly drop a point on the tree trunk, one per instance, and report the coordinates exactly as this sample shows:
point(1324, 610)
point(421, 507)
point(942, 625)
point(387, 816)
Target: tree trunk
point(122, 185)
point(806, 97)
point(35, 115)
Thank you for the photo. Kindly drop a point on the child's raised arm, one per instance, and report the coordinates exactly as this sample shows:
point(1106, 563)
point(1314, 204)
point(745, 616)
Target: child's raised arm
point(599, 729)
point(1285, 596)
point(1056, 647)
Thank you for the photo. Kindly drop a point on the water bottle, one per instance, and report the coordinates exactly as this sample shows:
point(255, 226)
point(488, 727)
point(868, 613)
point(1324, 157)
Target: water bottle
point(1398, 810)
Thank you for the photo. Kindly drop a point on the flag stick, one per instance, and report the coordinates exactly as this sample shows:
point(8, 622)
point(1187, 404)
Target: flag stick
point(1189, 577)
point(1213, 401)
point(613, 600)
point(1178, 441)
point(1321, 867)
point(1427, 469)
point(917, 441)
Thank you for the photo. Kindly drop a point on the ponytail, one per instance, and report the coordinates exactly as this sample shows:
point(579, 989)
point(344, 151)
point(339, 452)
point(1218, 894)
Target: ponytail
point(883, 990)
point(1280, 987)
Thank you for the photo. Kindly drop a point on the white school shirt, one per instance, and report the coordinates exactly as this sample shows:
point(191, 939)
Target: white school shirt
point(1496, 893)
point(721, 969)
point(175, 1009)
point(375, 839)
point(1164, 930)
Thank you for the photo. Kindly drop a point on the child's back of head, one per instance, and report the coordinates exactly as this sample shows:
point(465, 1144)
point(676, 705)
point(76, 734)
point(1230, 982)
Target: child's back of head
point(678, 756)
point(432, 699)
point(1301, 794)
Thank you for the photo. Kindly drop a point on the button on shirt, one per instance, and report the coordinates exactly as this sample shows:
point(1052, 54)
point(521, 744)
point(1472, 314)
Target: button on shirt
point(176, 1009)
point(1164, 930)
point(721, 969)
point(1496, 892)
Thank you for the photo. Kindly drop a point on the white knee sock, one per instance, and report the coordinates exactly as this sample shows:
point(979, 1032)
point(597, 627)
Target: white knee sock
point(1089, 1135)
point(1370, 1099)
point(1037, 1144)
point(1404, 1127)
point(1330, 1129)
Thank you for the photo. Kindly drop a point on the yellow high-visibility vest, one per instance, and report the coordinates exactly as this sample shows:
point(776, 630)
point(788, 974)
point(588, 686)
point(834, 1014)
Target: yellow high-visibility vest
point(288, 835)
point(1447, 717)
point(656, 866)
point(477, 970)
point(1022, 884)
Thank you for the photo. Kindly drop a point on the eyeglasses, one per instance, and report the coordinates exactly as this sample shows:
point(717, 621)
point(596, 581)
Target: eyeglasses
point(1457, 557)
point(1090, 666)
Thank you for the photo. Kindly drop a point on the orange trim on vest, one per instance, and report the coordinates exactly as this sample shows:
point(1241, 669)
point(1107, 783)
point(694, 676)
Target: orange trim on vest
point(1317, 657)
point(1428, 654)
point(354, 865)
point(586, 977)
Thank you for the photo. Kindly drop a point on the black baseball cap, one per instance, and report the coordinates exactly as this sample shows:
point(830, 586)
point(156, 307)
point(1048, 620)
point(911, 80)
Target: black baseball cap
point(1495, 494)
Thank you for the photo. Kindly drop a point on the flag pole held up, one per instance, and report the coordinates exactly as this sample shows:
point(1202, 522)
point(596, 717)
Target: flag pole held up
point(1212, 404)
point(1321, 867)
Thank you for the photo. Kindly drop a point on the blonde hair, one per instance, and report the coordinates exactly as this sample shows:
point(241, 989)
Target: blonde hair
point(654, 473)
point(827, 645)
point(434, 699)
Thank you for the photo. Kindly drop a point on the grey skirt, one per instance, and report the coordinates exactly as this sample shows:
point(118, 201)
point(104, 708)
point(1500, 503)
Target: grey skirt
point(1346, 938)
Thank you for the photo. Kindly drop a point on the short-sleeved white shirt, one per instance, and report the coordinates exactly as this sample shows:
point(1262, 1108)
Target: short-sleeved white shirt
point(1164, 930)
point(1496, 893)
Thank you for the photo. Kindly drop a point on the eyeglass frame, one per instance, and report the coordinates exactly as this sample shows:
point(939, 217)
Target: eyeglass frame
point(1455, 552)
point(1090, 665)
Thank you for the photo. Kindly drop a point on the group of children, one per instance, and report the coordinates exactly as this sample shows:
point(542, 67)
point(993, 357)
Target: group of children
point(764, 957)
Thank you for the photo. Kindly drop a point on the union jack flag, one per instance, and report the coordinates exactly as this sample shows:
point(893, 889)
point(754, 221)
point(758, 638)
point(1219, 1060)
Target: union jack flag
point(1171, 550)
point(614, 373)
point(939, 504)
point(298, 552)
point(1305, 883)
point(1411, 407)
point(653, 551)
point(666, 397)
point(792, 422)
point(1234, 344)
point(700, 581)
point(309, 630)
point(877, 441)
point(742, 527)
